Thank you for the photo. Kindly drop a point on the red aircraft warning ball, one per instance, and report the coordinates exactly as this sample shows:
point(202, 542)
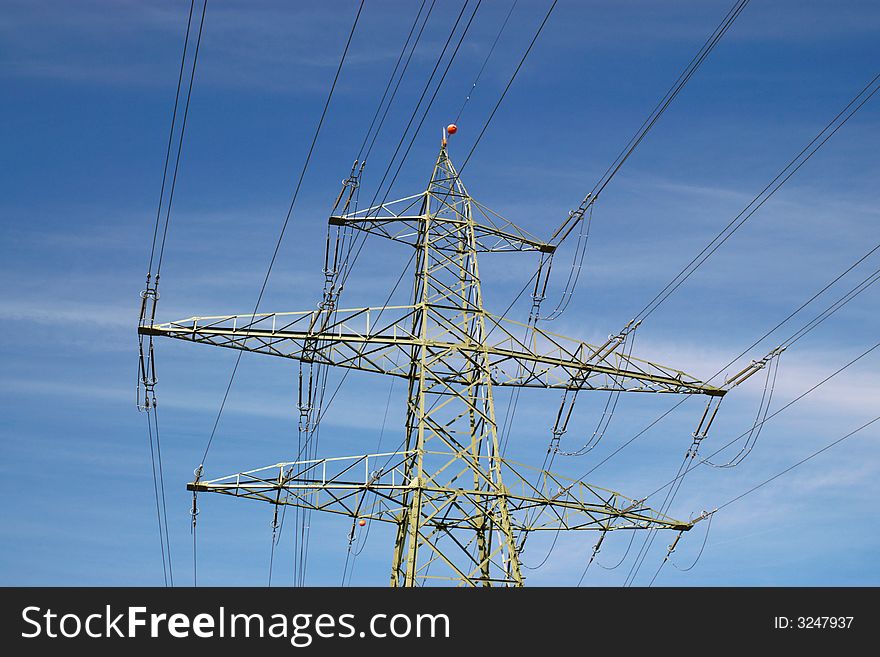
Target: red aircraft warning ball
point(362, 522)
point(452, 128)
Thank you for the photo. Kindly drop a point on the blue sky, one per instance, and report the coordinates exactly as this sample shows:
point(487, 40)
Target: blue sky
point(87, 91)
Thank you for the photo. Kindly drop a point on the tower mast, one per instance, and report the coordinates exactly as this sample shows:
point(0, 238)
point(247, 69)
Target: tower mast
point(460, 509)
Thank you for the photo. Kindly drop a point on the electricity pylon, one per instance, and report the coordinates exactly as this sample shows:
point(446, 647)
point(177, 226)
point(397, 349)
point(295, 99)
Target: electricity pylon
point(461, 510)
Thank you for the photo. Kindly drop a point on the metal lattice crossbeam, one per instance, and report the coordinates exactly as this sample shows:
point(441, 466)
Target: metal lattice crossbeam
point(399, 221)
point(380, 340)
point(371, 486)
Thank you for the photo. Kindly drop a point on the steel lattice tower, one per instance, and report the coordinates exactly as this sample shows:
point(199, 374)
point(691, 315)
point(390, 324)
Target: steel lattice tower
point(461, 510)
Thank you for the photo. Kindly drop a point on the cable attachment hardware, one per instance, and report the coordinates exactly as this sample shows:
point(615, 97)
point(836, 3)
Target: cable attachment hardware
point(702, 430)
point(349, 185)
point(194, 510)
point(336, 244)
point(752, 368)
point(375, 476)
point(556, 436)
point(560, 426)
point(305, 401)
point(304, 419)
point(574, 218)
point(596, 548)
point(275, 526)
point(752, 435)
point(146, 389)
point(539, 293)
point(149, 297)
point(671, 548)
point(597, 355)
point(151, 290)
point(705, 514)
point(146, 383)
point(607, 348)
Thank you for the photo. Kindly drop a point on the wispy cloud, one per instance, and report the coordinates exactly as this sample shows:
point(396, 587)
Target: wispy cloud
point(60, 313)
point(246, 45)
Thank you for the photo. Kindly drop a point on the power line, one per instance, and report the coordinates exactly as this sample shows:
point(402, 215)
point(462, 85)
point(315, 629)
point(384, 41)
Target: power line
point(760, 485)
point(180, 141)
point(799, 333)
point(157, 498)
point(418, 105)
point(171, 135)
point(485, 62)
point(702, 548)
point(768, 418)
point(672, 548)
point(677, 481)
point(508, 85)
point(349, 265)
point(433, 97)
point(684, 469)
point(798, 464)
point(150, 295)
point(349, 261)
point(497, 104)
point(285, 223)
point(763, 196)
point(720, 30)
point(837, 305)
point(642, 554)
point(399, 79)
point(162, 491)
point(310, 443)
point(585, 210)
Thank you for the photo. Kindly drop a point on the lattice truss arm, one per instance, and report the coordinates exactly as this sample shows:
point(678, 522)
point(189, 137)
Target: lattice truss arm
point(381, 339)
point(399, 221)
point(372, 487)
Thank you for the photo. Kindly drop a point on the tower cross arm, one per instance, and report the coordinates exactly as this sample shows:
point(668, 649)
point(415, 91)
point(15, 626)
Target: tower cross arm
point(400, 220)
point(372, 486)
point(371, 339)
point(524, 355)
point(381, 340)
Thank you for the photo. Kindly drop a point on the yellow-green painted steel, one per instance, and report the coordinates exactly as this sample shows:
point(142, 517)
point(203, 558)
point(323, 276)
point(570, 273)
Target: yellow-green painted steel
point(461, 510)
